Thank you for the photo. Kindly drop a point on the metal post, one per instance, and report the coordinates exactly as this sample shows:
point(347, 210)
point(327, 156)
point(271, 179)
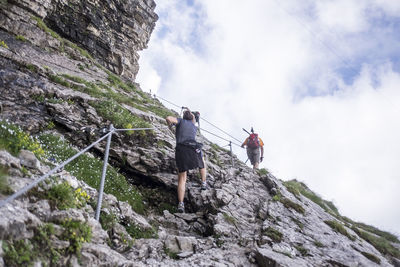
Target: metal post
point(230, 145)
point(103, 175)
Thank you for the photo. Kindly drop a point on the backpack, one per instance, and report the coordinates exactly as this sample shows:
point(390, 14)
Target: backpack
point(253, 142)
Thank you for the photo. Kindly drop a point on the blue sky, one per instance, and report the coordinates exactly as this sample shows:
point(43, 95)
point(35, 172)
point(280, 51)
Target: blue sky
point(318, 80)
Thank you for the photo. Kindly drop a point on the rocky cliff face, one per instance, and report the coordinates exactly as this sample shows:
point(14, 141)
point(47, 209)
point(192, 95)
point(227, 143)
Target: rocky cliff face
point(113, 31)
point(59, 80)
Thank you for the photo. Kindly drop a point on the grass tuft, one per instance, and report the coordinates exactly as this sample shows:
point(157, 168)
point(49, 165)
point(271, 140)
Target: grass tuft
point(338, 227)
point(3, 44)
point(371, 257)
point(274, 234)
point(292, 205)
point(4, 186)
point(380, 243)
point(21, 38)
point(89, 170)
point(14, 139)
point(228, 218)
point(297, 188)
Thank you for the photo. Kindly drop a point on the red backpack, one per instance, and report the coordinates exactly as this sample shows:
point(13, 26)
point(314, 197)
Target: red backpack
point(253, 142)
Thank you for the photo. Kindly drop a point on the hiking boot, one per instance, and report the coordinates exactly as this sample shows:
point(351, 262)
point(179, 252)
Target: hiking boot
point(204, 186)
point(181, 207)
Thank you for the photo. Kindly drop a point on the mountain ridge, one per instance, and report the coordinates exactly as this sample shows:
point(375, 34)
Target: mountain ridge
point(62, 91)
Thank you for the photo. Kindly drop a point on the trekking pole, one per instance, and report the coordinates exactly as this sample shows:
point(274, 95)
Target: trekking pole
point(103, 175)
point(245, 131)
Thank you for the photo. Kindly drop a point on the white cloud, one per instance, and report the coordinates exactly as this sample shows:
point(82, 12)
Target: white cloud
point(281, 70)
point(390, 7)
point(347, 15)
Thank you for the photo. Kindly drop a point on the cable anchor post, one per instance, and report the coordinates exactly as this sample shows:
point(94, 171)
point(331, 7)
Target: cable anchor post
point(103, 175)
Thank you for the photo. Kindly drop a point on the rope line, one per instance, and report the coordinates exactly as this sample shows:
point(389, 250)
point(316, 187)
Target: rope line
point(134, 129)
point(157, 96)
point(219, 137)
point(220, 129)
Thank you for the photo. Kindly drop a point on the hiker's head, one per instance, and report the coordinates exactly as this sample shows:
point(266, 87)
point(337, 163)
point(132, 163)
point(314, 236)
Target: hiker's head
point(252, 130)
point(187, 115)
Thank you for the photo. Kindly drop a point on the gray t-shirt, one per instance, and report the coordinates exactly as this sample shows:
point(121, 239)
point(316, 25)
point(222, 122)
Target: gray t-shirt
point(185, 131)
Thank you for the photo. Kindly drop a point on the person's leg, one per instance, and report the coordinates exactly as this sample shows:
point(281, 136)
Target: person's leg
point(203, 174)
point(256, 158)
point(203, 171)
point(181, 185)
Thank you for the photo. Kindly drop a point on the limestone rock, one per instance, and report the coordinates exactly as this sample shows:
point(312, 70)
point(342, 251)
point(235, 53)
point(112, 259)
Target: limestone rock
point(28, 159)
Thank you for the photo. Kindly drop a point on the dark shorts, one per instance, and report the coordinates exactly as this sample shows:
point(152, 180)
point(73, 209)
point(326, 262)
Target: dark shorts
point(254, 155)
point(188, 158)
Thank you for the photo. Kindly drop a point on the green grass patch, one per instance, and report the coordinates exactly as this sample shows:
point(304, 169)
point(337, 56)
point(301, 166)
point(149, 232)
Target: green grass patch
point(89, 169)
point(4, 186)
point(137, 232)
point(297, 188)
point(31, 67)
point(263, 171)
point(3, 44)
point(171, 254)
point(118, 115)
point(277, 197)
point(292, 205)
point(371, 257)
point(299, 223)
point(166, 206)
point(117, 82)
point(76, 233)
point(274, 234)
point(46, 29)
point(63, 41)
point(338, 227)
point(14, 139)
point(228, 218)
point(100, 89)
point(381, 244)
point(21, 38)
point(108, 220)
point(81, 51)
point(64, 196)
point(144, 102)
point(368, 228)
point(318, 244)
point(303, 251)
point(26, 252)
point(59, 80)
point(18, 253)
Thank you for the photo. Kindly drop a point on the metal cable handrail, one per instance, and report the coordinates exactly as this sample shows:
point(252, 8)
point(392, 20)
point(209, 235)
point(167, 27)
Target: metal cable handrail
point(106, 154)
point(157, 96)
point(101, 189)
point(34, 183)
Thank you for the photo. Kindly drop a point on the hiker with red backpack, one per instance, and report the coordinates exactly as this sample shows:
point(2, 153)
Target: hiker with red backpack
point(255, 148)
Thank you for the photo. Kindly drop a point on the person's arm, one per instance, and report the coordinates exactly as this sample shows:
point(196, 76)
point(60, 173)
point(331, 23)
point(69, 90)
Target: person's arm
point(171, 120)
point(244, 143)
point(262, 153)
